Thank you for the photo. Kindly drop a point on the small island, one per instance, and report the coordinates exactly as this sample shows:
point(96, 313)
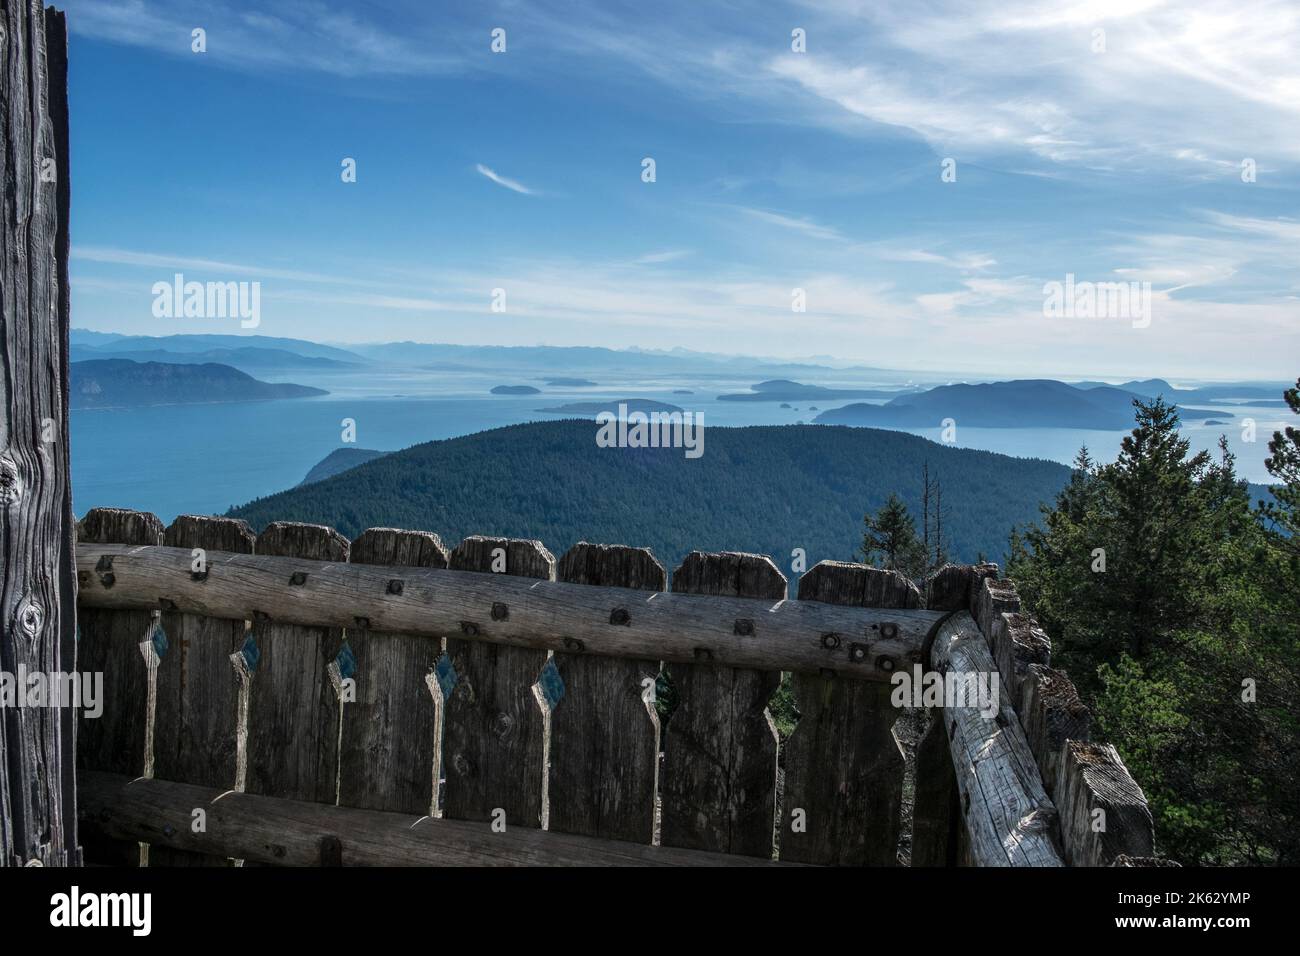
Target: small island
point(122, 383)
point(516, 390)
point(570, 383)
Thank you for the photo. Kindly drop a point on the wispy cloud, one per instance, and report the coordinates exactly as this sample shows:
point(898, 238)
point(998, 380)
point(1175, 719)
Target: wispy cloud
point(511, 184)
point(801, 225)
point(293, 35)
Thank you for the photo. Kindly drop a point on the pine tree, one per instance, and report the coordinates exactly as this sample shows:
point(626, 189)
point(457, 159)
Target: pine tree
point(889, 539)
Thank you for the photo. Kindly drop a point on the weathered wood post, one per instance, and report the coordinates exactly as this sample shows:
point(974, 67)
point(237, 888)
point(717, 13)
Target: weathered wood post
point(37, 587)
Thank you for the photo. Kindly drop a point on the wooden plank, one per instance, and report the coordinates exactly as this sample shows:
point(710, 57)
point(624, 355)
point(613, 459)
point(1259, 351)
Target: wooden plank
point(604, 754)
point(199, 687)
point(267, 830)
point(1104, 814)
point(993, 598)
point(1009, 819)
point(494, 727)
point(543, 614)
point(37, 589)
point(949, 588)
point(293, 715)
point(388, 752)
point(118, 645)
point(1051, 713)
point(718, 786)
point(1017, 642)
point(936, 817)
point(843, 766)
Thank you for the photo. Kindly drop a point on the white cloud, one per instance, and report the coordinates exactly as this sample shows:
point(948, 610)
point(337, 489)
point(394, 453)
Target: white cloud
point(500, 180)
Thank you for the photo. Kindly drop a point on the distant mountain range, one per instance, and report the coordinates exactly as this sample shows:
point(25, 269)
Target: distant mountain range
point(122, 383)
point(1034, 403)
point(769, 489)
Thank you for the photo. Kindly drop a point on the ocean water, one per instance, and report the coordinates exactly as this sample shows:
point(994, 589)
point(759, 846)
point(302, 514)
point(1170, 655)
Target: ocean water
point(202, 459)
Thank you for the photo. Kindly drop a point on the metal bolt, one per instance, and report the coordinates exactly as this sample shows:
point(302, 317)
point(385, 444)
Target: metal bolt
point(500, 612)
point(395, 586)
point(620, 616)
point(857, 653)
point(744, 626)
point(573, 644)
point(469, 628)
point(830, 641)
point(885, 663)
point(889, 631)
point(298, 577)
point(362, 622)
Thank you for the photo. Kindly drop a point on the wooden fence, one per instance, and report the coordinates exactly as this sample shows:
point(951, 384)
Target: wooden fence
point(294, 698)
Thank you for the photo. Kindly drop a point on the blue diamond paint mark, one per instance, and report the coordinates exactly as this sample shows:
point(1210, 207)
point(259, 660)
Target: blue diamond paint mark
point(159, 641)
point(552, 683)
point(251, 653)
point(445, 671)
point(346, 662)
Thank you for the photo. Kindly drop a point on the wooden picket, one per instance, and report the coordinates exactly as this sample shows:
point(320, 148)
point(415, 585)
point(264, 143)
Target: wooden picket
point(117, 645)
point(604, 754)
point(720, 746)
point(197, 720)
point(843, 766)
point(389, 746)
point(494, 726)
point(293, 714)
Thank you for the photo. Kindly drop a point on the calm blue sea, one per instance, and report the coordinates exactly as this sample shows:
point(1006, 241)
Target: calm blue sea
point(205, 458)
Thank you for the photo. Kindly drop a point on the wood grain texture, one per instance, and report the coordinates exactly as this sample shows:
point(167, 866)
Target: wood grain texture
point(949, 588)
point(117, 645)
point(843, 766)
point(1009, 819)
point(604, 755)
point(197, 716)
point(1104, 813)
point(37, 586)
point(293, 716)
point(266, 830)
point(718, 786)
point(389, 749)
point(111, 643)
point(1017, 641)
point(786, 635)
point(494, 727)
point(993, 598)
point(1051, 713)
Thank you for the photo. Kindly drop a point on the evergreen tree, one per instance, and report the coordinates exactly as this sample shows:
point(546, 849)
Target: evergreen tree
point(889, 539)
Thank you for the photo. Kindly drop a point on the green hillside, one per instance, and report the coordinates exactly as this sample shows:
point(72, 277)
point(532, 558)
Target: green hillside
point(768, 489)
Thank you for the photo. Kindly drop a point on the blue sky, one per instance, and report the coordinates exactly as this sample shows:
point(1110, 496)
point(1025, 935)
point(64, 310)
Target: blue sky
point(775, 170)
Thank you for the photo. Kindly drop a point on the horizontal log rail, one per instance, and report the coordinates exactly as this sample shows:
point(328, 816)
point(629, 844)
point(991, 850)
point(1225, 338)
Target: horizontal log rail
point(281, 832)
point(786, 635)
